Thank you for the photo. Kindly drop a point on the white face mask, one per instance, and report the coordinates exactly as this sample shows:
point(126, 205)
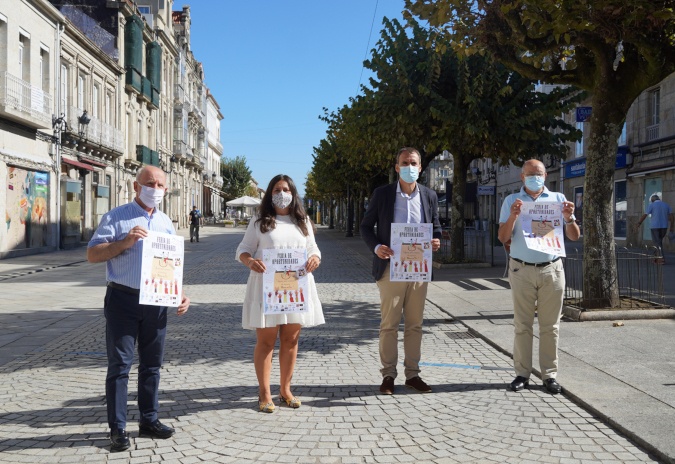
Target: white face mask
point(282, 199)
point(151, 197)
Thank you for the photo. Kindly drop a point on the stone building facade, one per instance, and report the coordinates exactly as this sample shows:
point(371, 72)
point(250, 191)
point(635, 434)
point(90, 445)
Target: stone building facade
point(90, 92)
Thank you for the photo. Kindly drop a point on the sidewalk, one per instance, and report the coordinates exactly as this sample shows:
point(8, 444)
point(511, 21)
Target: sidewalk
point(52, 407)
point(624, 375)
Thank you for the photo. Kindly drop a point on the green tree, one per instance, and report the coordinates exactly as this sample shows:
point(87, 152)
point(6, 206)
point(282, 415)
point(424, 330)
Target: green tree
point(236, 177)
point(428, 97)
point(613, 49)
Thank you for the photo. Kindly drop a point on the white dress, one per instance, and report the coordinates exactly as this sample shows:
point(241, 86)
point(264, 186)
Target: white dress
point(285, 235)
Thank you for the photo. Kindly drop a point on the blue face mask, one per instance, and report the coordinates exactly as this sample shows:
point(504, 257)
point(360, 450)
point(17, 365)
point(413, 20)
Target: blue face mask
point(534, 183)
point(409, 174)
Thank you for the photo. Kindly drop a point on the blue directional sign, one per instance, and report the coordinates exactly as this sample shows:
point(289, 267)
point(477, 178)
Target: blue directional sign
point(583, 113)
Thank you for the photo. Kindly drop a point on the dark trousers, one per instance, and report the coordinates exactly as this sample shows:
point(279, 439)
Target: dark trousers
point(194, 231)
point(128, 322)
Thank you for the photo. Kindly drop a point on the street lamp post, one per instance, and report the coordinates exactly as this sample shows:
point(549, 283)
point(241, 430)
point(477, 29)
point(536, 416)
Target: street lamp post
point(58, 126)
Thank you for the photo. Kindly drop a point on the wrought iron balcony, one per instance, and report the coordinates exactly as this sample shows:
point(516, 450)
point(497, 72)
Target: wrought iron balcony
point(20, 99)
point(652, 132)
point(97, 131)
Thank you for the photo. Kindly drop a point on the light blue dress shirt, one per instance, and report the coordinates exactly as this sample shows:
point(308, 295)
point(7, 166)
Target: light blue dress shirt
point(519, 249)
point(125, 268)
point(660, 211)
point(407, 208)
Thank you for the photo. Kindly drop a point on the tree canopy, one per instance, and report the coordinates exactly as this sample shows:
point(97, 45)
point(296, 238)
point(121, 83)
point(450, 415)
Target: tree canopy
point(236, 177)
point(425, 95)
point(613, 49)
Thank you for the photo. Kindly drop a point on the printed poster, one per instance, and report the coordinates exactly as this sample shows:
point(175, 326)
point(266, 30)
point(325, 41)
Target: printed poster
point(412, 252)
point(27, 208)
point(285, 285)
point(542, 224)
point(162, 269)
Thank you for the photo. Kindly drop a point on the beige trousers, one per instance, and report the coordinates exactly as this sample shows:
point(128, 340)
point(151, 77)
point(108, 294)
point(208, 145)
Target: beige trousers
point(537, 289)
point(401, 299)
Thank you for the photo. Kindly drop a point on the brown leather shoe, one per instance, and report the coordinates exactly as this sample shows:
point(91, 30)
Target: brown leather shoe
point(418, 384)
point(387, 387)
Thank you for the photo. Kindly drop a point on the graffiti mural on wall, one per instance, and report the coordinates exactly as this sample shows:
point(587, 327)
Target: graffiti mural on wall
point(27, 215)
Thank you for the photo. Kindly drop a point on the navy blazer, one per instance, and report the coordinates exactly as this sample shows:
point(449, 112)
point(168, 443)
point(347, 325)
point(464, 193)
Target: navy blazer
point(380, 213)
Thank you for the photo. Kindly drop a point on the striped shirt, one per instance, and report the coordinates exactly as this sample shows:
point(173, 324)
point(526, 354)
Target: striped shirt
point(519, 249)
point(125, 268)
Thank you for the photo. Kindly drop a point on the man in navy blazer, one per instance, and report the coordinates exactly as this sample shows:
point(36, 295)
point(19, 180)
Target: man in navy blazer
point(402, 202)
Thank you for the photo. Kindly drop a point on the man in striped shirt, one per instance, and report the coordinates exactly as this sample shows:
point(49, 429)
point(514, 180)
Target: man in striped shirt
point(117, 242)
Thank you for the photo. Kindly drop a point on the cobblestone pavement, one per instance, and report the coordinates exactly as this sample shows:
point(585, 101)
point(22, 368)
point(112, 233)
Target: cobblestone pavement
point(52, 405)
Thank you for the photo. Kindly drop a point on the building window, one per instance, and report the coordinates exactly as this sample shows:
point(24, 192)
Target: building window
point(620, 207)
point(94, 101)
point(3, 42)
point(443, 173)
point(64, 90)
point(22, 51)
point(654, 106)
point(44, 69)
point(623, 138)
point(579, 146)
point(579, 205)
point(80, 92)
point(108, 117)
point(144, 9)
point(653, 118)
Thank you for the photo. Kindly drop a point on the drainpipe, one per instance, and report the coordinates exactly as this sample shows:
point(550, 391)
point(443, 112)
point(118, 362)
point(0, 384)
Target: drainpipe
point(60, 27)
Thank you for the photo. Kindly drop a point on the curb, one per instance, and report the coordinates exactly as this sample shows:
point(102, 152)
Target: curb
point(437, 265)
point(578, 315)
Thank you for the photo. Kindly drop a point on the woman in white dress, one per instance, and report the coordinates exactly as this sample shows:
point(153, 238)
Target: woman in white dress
point(281, 222)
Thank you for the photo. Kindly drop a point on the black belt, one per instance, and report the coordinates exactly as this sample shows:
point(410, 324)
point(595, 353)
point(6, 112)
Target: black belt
point(124, 288)
point(535, 264)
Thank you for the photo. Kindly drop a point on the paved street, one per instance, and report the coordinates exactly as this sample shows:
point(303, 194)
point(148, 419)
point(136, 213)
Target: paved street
point(52, 365)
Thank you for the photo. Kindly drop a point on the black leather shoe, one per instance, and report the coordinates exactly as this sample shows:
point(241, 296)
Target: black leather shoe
point(387, 387)
point(119, 440)
point(519, 383)
point(552, 386)
point(155, 430)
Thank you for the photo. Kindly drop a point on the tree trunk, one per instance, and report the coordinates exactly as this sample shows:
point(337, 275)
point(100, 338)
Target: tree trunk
point(457, 211)
point(599, 265)
point(350, 212)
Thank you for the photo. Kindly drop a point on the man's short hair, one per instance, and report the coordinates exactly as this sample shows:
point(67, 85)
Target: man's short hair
point(411, 150)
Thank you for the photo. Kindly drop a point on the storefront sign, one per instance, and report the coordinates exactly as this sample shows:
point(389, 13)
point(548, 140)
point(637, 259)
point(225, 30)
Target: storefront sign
point(583, 113)
point(486, 190)
point(577, 168)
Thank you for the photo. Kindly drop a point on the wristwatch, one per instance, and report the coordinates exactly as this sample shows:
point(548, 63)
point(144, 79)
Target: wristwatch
point(572, 219)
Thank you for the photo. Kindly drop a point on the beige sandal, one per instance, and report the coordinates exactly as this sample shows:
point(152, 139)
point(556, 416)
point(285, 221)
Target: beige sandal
point(266, 407)
point(291, 402)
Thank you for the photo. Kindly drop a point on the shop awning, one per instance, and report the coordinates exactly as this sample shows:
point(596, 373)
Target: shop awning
point(218, 192)
point(94, 162)
point(650, 170)
point(77, 164)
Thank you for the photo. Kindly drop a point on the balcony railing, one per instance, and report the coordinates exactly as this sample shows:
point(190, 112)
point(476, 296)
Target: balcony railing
point(96, 131)
point(652, 132)
point(27, 99)
point(179, 148)
point(147, 156)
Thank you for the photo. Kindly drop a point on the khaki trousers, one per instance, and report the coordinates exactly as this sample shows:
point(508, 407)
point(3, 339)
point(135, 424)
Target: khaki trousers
point(541, 289)
point(401, 299)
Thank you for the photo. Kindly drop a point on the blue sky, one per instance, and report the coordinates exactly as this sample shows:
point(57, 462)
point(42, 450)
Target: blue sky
point(273, 65)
